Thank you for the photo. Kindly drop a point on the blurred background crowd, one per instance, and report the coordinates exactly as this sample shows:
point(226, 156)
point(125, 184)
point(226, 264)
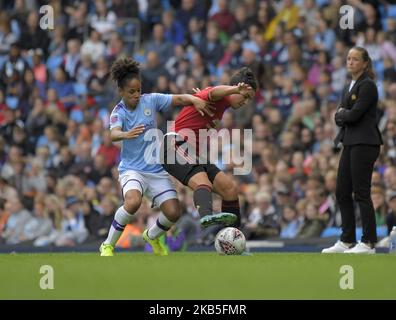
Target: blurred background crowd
point(58, 166)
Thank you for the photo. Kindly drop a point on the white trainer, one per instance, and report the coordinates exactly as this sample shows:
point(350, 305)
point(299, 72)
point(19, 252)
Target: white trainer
point(361, 247)
point(339, 247)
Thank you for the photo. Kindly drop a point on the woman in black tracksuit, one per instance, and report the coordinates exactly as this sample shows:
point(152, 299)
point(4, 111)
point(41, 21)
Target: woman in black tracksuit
point(361, 140)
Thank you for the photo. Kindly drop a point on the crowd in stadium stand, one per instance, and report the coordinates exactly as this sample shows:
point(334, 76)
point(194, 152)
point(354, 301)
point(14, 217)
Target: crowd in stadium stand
point(58, 165)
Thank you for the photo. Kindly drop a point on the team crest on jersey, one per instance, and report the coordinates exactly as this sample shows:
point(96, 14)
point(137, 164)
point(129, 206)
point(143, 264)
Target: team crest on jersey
point(147, 112)
point(113, 119)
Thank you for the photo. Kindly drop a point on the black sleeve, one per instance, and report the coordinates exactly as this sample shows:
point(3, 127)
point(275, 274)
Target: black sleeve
point(368, 94)
point(337, 119)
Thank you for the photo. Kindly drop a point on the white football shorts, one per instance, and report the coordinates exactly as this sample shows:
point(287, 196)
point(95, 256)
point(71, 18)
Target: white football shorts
point(157, 187)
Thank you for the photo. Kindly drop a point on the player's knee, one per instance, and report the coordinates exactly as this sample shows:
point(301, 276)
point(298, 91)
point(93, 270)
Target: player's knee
point(230, 191)
point(173, 214)
point(198, 179)
point(132, 203)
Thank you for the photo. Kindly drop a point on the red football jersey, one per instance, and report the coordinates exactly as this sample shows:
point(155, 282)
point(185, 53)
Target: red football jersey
point(189, 117)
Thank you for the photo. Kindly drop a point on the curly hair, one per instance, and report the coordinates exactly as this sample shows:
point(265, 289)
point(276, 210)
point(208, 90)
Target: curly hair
point(245, 75)
point(125, 69)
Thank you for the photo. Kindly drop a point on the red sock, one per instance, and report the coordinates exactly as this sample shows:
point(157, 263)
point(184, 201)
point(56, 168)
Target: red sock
point(232, 207)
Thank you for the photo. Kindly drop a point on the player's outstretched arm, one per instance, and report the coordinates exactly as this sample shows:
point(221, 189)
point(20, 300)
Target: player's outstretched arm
point(219, 92)
point(117, 134)
point(201, 105)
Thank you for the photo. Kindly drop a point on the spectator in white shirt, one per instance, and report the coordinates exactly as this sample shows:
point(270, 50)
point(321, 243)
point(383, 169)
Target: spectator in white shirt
point(93, 47)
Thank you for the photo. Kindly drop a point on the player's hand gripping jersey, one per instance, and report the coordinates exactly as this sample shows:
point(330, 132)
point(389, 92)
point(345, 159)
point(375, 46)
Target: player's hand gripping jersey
point(189, 118)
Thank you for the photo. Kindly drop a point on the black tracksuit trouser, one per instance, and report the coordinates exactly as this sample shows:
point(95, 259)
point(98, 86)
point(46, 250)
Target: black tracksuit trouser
point(354, 176)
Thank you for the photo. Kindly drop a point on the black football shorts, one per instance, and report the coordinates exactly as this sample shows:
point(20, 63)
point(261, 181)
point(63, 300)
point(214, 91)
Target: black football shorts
point(182, 165)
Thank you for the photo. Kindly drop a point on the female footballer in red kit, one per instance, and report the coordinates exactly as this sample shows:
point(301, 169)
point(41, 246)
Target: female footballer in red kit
point(203, 178)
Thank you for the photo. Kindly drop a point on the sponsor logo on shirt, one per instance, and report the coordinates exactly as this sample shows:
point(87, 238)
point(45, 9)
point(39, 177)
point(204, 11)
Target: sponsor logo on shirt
point(147, 112)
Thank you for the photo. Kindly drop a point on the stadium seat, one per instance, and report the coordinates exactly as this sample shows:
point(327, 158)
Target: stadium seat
point(77, 115)
point(3, 59)
point(12, 102)
point(379, 69)
point(382, 11)
point(165, 5)
point(139, 58)
point(322, 3)
point(29, 60)
point(381, 91)
point(54, 62)
point(391, 11)
point(331, 232)
point(80, 89)
point(384, 22)
point(382, 231)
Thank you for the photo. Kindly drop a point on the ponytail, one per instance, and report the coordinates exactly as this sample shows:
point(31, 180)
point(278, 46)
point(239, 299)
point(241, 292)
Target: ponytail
point(369, 69)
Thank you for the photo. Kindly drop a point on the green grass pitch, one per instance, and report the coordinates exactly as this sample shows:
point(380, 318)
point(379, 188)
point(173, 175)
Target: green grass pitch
point(141, 276)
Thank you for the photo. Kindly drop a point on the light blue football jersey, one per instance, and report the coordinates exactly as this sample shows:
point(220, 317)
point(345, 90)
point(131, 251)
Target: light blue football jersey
point(133, 151)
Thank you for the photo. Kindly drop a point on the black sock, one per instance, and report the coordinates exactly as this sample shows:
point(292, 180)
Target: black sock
point(232, 207)
point(203, 199)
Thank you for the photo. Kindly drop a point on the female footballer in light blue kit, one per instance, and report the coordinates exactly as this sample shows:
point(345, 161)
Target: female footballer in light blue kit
point(131, 117)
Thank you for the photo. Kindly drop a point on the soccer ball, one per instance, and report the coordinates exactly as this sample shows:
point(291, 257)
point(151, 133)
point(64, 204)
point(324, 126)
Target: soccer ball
point(230, 241)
